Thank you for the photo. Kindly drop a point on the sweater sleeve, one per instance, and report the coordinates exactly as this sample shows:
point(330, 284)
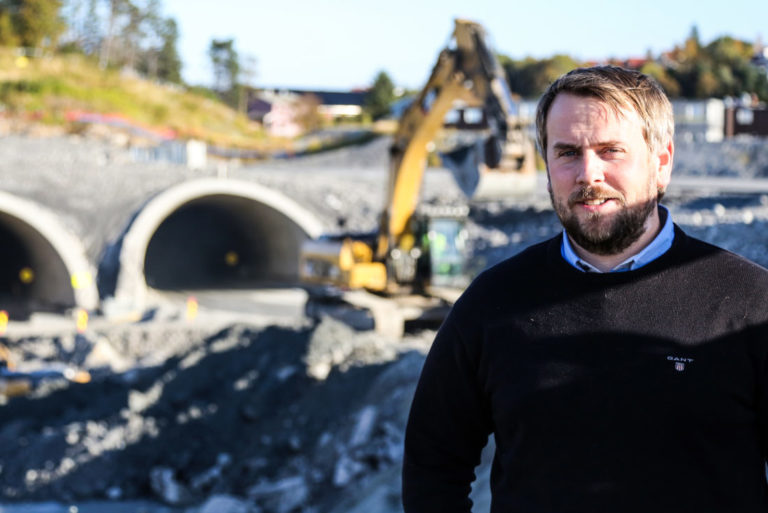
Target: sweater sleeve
point(448, 427)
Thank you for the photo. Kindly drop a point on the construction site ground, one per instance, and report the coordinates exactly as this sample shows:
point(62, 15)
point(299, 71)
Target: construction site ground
point(263, 411)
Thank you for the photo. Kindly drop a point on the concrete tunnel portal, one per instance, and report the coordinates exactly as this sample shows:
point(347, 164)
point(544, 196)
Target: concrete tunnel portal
point(201, 234)
point(43, 267)
point(32, 275)
point(221, 241)
point(212, 234)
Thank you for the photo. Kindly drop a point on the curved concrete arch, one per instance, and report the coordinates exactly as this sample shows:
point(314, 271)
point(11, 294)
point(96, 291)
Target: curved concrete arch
point(271, 214)
point(63, 276)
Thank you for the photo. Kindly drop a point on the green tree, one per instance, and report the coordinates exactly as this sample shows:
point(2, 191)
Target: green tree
point(91, 30)
point(226, 70)
point(731, 65)
point(131, 35)
point(35, 23)
point(116, 10)
point(158, 56)
point(151, 29)
point(126, 33)
point(379, 99)
point(692, 45)
point(169, 62)
point(246, 81)
point(662, 76)
point(530, 77)
point(707, 84)
point(720, 68)
point(755, 80)
point(728, 49)
point(7, 33)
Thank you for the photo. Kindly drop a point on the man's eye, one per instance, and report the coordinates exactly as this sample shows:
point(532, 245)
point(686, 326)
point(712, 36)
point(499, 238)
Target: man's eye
point(567, 153)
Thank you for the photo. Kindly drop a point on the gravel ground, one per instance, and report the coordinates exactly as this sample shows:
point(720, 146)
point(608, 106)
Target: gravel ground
point(301, 417)
point(278, 417)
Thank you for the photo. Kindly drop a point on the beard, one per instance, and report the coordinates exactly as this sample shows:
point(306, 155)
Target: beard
point(597, 233)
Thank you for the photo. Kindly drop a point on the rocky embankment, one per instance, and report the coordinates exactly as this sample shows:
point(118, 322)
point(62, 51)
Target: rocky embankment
point(280, 418)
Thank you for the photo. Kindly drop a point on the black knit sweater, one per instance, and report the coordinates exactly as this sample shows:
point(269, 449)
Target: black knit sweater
point(643, 391)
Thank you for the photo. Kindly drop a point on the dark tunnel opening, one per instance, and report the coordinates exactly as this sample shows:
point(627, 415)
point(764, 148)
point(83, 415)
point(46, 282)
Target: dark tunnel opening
point(33, 276)
point(15, 271)
point(217, 242)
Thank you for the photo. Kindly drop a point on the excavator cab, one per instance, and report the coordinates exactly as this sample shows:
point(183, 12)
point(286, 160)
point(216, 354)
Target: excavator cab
point(434, 254)
point(446, 245)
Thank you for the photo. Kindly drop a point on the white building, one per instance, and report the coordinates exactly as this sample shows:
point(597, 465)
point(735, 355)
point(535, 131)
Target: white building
point(699, 120)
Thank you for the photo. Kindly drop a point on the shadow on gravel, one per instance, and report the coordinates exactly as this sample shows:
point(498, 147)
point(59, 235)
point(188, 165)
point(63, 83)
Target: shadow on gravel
point(235, 413)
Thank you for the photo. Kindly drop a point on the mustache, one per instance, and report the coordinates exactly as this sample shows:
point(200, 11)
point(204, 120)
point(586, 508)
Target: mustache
point(591, 192)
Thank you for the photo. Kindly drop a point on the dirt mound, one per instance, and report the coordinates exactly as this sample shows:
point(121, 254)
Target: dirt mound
point(279, 417)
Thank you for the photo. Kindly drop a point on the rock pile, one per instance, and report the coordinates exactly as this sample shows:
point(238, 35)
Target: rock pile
point(271, 419)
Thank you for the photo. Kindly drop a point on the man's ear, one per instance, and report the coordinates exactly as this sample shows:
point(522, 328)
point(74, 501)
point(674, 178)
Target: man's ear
point(665, 159)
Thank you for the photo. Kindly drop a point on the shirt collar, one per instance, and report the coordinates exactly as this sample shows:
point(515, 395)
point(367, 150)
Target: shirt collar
point(658, 246)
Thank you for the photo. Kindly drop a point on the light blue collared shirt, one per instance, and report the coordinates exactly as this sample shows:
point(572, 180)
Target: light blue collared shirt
point(648, 254)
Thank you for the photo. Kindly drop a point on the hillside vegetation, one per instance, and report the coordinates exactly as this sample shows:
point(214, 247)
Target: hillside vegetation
point(49, 89)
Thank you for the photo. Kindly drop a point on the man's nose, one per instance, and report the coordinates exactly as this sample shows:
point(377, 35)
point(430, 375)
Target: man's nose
point(591, 169)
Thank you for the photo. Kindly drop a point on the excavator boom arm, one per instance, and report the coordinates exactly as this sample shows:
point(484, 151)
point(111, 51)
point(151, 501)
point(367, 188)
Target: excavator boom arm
point(402, 255)
point(468, 73)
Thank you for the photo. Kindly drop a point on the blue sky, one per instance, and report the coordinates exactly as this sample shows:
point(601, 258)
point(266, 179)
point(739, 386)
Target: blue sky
point(342, 44)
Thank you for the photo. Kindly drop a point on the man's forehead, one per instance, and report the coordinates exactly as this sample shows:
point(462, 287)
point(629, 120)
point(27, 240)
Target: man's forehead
point(572, 111)
point(592, 105)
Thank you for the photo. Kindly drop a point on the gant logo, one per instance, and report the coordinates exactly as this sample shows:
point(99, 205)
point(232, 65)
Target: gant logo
point(680, 362)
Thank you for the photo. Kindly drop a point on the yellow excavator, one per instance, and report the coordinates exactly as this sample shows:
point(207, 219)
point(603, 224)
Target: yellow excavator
point(412, 268)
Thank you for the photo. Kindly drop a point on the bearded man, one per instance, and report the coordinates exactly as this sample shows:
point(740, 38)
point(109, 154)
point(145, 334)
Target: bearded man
point(622, 366)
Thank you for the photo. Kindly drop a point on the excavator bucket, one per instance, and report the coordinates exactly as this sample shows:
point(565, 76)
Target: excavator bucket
point(464, 164)
point(486, 171)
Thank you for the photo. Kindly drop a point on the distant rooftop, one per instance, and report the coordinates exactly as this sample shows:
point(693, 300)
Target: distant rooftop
point(330, 97)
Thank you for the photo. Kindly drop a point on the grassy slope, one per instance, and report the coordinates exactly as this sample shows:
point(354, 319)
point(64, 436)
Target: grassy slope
point(49, 87)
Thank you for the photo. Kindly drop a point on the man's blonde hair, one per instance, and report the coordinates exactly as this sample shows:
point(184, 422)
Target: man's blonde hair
point(619, 88)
